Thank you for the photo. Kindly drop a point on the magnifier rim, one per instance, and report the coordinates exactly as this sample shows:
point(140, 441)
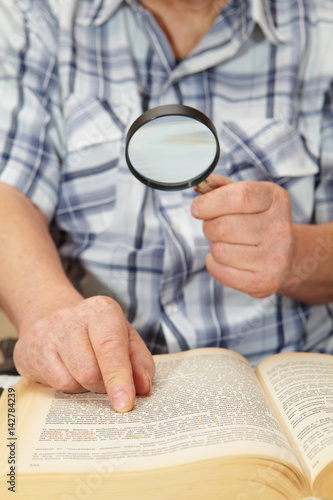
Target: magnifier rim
point(171, 110)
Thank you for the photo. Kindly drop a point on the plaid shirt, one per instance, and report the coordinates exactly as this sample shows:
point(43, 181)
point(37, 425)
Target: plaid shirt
point(73, 77)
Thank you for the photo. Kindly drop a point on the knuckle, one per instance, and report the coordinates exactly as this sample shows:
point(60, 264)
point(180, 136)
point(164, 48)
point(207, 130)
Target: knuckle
point(89, 375)
point(114, 378)
point(264, 285)
point(216, 250)
point(112, 353)
point(206, 229)
point(215, 230)
point(242, 196)
point(280, 221)
point(115, 343)
point(61, 379)
point(101, 304)
point(222, 228)
point(69, 385)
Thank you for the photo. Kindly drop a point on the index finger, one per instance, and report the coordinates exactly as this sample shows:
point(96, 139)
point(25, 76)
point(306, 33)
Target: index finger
point(243, 197)
point(109, 338)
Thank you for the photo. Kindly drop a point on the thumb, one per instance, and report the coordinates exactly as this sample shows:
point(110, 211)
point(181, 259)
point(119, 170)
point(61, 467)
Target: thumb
point(212, 182)
point(143, 366)
point(204, 201)
point(217, 180)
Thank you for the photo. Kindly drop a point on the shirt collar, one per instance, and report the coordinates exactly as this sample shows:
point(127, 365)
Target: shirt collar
point(263, 16)
point(97, 12)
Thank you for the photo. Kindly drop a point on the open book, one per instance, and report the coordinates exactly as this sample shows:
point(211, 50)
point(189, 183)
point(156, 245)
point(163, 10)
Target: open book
point(211, 429)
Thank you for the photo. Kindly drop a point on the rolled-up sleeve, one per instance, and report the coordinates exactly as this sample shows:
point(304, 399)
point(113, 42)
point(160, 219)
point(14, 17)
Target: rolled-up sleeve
point(31, 139)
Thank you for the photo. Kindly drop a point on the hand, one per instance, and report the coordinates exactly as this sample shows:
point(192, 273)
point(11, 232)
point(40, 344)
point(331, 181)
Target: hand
point(250, 229)
point(88, 346)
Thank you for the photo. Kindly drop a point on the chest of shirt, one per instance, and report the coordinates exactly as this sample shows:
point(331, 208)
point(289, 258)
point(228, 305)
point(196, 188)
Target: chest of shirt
point(249, 88)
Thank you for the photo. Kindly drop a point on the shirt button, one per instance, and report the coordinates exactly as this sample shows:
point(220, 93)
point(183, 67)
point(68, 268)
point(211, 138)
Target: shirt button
point(176, 227)
point(172, 308)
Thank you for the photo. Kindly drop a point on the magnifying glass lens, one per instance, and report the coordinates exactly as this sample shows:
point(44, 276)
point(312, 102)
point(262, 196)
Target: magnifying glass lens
point(172, 147)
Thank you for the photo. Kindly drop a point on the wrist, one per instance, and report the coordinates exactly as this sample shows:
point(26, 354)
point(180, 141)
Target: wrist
point(309, 276)
point(38, 302)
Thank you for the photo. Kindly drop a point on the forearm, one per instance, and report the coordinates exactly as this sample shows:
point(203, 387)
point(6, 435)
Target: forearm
point(65, 341)
point(32, 278)
point(310, 278)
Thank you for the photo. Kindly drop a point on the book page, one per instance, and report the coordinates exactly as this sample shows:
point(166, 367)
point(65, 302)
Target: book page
point(204, 404)
point(302, 387)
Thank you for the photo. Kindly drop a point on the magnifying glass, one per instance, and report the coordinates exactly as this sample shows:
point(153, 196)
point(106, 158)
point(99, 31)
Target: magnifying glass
point(172, 147)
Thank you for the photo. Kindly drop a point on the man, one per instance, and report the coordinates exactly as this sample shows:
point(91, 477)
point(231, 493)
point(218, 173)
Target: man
point(247, 266)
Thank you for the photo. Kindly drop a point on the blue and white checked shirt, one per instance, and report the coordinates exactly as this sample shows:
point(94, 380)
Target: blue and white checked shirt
point(74, 74)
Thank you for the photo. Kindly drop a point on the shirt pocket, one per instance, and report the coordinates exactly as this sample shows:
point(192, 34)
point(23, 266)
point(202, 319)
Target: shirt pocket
point(271, 150)
point(94, 138)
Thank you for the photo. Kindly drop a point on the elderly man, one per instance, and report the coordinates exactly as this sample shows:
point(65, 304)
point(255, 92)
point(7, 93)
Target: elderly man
point(99, 271)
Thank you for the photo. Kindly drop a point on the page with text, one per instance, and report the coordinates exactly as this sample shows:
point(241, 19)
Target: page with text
point(302, 386)
point(204, 404)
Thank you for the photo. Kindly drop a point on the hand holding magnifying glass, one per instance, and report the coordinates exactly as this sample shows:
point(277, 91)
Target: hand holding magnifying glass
point(173, 147)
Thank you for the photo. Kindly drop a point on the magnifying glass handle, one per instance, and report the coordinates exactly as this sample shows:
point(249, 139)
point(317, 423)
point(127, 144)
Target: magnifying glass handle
point(204, 187)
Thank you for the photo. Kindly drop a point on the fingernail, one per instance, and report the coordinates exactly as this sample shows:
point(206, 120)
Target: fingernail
point(149, 383)
point(120, 401)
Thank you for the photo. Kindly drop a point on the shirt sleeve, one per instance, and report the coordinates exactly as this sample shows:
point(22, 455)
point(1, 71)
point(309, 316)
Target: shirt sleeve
point(31, 141)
